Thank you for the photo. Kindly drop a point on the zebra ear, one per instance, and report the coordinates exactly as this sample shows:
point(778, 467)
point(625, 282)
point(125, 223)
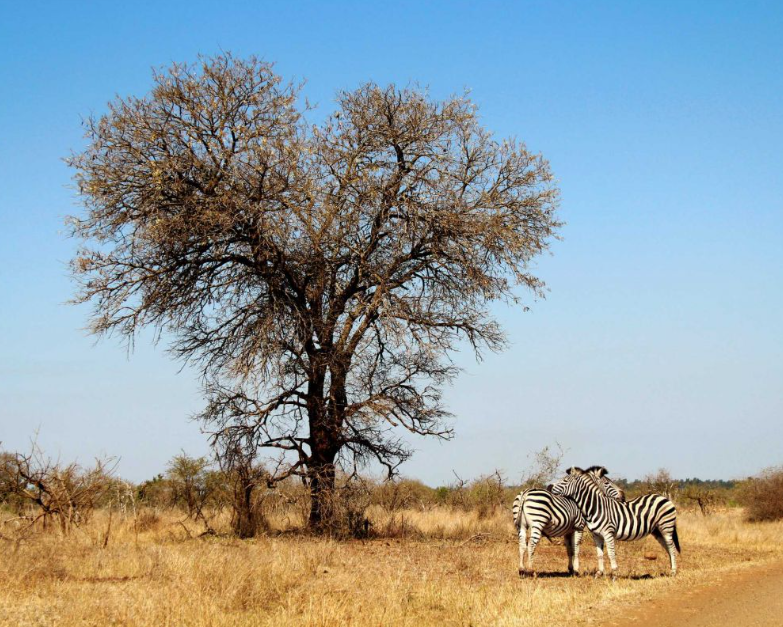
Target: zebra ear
point(574, 470)
point(602, 472)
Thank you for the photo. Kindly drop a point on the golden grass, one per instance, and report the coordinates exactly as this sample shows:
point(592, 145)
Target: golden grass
point(453, 569)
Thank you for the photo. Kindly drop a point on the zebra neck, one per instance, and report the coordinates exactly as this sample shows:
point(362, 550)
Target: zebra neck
point(589, 496)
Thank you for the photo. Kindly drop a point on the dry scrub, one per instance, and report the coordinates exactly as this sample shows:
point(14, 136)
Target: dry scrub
point(763, 495)
point(447, 567)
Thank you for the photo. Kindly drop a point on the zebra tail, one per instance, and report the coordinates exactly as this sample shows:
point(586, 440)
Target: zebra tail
point(516, 510)
point(676, 539)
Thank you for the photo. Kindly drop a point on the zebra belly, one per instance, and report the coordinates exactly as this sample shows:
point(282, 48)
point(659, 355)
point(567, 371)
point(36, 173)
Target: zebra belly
point(552, 524)
point(552, 530)
point(631, 535)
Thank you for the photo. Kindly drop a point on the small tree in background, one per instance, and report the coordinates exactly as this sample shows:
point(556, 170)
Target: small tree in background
point(155, 492)
point(193, 484)
point(660, 482)
point(319, 276)
point(707, 499)
point(246, 478)
point(545, 467)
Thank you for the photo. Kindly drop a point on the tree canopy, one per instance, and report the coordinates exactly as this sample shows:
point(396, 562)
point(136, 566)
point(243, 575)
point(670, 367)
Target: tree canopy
point(318, 276)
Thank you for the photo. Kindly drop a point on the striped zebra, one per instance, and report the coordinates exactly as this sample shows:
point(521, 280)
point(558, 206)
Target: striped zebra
point(544, 514)
point(610, 520)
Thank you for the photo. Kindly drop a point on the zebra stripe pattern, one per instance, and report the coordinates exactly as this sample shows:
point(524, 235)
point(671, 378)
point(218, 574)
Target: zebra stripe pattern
point(610, 520)
point(542, 513)
point(608, 487)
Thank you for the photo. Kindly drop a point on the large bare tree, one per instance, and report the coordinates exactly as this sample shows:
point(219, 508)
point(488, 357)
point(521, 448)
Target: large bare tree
point(317, 275)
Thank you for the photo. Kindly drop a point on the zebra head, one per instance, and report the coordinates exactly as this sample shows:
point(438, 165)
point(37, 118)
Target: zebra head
point(575, 482)
point(608, 487)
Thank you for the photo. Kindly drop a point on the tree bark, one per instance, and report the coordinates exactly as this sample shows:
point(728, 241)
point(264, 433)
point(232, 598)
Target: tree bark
point(322, 482)
point(246, 519)
point(325, 416)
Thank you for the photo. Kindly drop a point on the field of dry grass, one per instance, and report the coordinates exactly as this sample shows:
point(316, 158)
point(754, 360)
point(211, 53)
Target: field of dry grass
point(447, 568)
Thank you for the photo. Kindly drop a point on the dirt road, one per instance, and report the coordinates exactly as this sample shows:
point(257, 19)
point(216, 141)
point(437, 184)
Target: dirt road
point(753, 598)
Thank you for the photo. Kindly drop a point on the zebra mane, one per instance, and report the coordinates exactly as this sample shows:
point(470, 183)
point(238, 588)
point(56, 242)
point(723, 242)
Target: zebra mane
point(601, 470)
point(590, 478)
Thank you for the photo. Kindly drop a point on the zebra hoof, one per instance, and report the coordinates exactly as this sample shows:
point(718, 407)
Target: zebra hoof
point(522, 573)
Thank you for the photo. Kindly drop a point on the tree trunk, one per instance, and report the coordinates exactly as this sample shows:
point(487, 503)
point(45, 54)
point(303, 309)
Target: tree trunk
point(321, 479)
point(326, 422)
point(246, 521)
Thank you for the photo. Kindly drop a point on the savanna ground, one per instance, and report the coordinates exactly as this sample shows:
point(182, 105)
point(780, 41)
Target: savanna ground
point(446, 567)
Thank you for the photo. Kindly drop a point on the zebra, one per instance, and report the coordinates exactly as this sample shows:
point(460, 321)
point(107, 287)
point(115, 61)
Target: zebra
point(546, 514)
point(610, 519)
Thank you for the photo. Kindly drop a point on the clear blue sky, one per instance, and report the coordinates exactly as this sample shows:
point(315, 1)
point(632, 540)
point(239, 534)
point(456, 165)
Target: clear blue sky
point(661, 341)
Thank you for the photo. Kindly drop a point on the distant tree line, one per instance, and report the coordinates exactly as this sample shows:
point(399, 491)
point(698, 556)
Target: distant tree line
point(37, 492)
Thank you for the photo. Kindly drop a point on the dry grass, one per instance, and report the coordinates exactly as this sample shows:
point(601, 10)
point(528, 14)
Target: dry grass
point(451, 568)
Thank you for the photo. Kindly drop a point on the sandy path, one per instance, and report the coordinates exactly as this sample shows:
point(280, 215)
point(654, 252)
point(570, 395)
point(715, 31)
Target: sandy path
point(753, 598)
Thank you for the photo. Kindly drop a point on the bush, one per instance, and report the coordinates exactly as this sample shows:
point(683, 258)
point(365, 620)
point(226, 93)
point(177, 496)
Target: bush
point(155, 492)
point(396, 494)
point(484, 495)
point(763, 495)
point(247, 481)
point(487, 494)
point(708, 500)
point(660, 483)
point(346, 509)
point(43, 491)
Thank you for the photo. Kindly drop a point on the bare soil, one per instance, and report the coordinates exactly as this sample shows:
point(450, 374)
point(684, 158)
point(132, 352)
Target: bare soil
point(747, 598)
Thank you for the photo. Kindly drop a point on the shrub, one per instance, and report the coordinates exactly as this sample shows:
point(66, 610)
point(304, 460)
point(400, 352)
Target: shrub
point(247, 481)
point(43, 491)
point(708, 500)
point(396, 494)
point(346, 508)
point(155, 492)
point(660, 483)
point(763, 495)
point(487, 494)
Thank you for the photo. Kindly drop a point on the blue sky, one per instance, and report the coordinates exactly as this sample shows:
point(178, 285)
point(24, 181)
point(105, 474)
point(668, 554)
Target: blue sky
point(660, 343)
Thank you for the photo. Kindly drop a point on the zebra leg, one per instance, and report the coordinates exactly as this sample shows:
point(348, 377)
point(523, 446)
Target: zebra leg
point(568, 539)
point(609, 539)
point(667, 542)
point(522, 544)
point(599, 551)
point(573, 541)
point(535, 536)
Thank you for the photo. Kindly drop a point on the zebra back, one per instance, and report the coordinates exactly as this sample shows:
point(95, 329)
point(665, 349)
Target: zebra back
point(631, 520)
